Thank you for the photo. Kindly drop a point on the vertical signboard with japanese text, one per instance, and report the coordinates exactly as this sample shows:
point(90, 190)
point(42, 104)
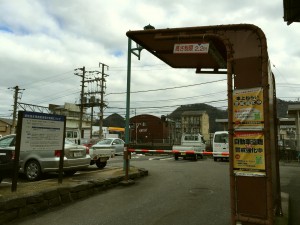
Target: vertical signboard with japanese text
point(248, 139)
point(42, 131)
point(248, 152)
point(39, 132)
point(248, 109)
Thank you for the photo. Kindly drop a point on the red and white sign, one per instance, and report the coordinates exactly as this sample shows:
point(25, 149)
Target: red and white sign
point(191, 48)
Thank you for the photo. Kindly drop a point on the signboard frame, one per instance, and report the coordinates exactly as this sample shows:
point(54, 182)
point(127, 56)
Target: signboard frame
point(249, 153)
point(248, 109)
point(39, 131)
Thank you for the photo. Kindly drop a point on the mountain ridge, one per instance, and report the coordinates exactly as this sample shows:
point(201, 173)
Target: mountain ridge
point(115, 120)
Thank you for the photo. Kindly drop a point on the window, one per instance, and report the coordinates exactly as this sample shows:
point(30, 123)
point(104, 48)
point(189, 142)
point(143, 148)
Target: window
point(72, 134)
point(221, 138)
point(6, 142)
point(191, 138)
point(69, 134)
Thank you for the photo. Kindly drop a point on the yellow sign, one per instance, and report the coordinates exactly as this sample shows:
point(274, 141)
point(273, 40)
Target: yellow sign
point(248, 109)
point(248, 151)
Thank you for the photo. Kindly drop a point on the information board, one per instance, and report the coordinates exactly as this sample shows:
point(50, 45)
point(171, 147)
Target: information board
point(248, 151)
point(248, 109)
point(42, 131)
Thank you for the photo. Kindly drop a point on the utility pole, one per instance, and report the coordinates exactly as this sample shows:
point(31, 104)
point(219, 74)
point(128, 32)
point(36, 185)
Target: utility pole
point(102, 103)
point(92, 117)
point(94, 94)
point(81, 98)
point(15, 108)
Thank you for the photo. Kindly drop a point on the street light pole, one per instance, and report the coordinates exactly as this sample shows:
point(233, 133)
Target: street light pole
point(137, 52)
point(128, 93)
point(126, 152)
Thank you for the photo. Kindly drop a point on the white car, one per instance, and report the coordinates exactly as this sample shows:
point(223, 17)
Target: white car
point(117, 143)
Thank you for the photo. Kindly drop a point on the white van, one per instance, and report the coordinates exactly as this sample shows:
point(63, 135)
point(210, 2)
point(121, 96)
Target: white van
point(220, 145)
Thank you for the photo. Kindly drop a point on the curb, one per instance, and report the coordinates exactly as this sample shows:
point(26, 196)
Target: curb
point(18, 206)
point(285, 204)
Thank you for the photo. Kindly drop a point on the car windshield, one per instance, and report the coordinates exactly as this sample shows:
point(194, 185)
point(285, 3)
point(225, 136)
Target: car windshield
point(67, 141)
point(105, 142)
point(221, 138)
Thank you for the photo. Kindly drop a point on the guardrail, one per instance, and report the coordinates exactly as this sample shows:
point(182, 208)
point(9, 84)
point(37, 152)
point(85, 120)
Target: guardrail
point(176, 151)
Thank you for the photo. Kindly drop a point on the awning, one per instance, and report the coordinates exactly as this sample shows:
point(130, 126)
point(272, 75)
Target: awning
point(119, 129)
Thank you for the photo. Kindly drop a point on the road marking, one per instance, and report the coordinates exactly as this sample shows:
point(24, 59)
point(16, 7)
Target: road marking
point(161, 158)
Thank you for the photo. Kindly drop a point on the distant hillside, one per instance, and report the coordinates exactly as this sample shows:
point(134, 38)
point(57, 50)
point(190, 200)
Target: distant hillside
point(282, 107)
point(115, 120)
point(215, 113)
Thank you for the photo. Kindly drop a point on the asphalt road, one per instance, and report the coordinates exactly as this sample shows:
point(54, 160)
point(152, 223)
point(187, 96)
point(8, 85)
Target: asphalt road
point(175, 193)
point(290, 183)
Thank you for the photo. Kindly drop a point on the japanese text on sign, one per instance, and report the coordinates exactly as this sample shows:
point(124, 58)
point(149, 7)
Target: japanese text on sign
point(248, 151)
point(187, 48)
point(248, 109)
point(42, 131)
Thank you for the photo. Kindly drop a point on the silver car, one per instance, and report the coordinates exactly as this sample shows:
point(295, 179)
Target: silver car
point(117, 143)
point(34, 163)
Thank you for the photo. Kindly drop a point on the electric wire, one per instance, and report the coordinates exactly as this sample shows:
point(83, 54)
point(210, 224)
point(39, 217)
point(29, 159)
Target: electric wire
point(163, 89)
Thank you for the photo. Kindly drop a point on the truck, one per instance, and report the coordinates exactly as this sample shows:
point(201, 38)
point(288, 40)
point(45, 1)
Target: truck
point(101, 154)
point(191, 146)
point(220, 145)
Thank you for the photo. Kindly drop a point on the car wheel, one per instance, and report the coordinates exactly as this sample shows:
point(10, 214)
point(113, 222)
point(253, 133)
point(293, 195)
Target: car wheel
point(176, 156)
point(70, 172)
point(33, 170)
point(101, 164)
point(215, 159)
point(195, 157)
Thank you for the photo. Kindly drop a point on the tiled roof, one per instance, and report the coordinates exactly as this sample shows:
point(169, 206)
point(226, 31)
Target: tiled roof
point(8, 121)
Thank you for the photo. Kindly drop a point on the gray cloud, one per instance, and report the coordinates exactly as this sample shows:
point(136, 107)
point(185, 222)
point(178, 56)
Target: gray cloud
point(43, 41)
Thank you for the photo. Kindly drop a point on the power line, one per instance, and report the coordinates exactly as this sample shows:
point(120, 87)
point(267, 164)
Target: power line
point(37, 82)
point(170, 88)
point(58, 97)
point(124, 68)
point(168, 106)
point(176, 99)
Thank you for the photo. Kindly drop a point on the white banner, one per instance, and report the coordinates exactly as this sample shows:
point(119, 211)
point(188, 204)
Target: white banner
point(191, 48)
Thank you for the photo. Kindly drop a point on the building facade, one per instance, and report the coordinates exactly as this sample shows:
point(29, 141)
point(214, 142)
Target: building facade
point(5, 126)
point(72, 113)
point(195, 122)
point(146, 128)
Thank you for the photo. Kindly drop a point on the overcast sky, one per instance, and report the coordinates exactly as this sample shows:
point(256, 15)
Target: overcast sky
point(42, 42)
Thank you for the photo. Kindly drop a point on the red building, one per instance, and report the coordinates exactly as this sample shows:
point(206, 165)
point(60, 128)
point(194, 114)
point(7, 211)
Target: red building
point(147, 128)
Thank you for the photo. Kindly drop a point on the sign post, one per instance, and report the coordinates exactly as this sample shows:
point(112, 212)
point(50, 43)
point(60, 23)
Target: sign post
point(41, 132)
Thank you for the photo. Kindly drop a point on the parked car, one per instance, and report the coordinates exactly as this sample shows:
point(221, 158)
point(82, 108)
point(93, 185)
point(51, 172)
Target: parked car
point(7, 157)
point(88, 142)
point(220, 145)
point(117, 143)
point(34, 163)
